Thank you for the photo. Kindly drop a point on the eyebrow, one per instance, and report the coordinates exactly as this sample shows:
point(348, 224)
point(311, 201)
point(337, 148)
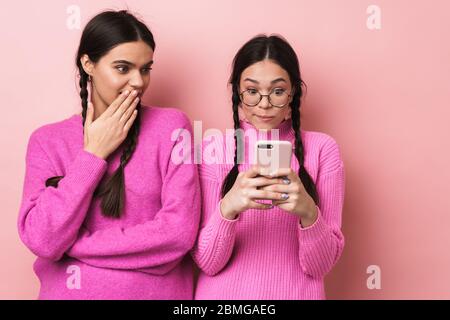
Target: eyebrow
point(130, 63)
point(272, 82)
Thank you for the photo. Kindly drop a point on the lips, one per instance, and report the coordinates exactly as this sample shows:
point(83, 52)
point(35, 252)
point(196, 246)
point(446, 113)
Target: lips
point(265, 117)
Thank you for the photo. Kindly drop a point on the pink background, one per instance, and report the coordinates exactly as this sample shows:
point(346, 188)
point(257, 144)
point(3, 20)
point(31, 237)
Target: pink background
point(382, 94)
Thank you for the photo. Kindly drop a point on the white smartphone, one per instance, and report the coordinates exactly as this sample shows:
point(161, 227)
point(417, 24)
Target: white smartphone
point(273, 155)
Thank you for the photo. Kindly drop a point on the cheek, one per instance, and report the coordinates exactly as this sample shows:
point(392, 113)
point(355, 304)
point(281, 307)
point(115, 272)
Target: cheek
point(285, 111)
point(281, 116)
point(147, 82)
point(245, 112)
point(115, 81)
point(110, 83)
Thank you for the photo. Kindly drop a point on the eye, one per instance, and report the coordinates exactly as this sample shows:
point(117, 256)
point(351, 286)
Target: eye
point(146, 70)
point(122, 68)
point(278, 91)
point(252, 91)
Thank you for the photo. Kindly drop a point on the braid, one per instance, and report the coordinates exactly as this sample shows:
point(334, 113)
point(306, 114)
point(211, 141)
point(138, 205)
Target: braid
point(131, 141)
point(53, 181)
point(232, 175)
point(299, 154)
point(83, 92)
point(113, 191)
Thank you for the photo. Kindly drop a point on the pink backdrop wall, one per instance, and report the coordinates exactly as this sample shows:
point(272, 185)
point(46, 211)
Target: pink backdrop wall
point(382, 93)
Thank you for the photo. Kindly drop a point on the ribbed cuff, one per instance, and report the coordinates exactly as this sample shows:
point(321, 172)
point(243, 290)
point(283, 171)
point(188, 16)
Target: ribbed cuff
point(86, 170)
point(315, 231)
point(224, 227)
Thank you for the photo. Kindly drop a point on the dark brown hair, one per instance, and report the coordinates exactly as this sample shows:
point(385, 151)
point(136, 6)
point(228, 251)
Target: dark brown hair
point(101, 34)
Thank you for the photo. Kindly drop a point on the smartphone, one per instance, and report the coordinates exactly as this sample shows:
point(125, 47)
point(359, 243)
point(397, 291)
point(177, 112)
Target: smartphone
point(273, 155)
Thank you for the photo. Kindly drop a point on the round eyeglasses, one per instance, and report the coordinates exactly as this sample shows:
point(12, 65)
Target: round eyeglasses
point(277, 98)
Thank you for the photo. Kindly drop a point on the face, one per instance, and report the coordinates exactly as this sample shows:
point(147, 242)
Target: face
point(265, 77)
point(125, 67)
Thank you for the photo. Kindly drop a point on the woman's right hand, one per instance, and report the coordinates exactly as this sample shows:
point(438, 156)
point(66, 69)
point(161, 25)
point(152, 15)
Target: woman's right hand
point(245, 191)
point(109, 130)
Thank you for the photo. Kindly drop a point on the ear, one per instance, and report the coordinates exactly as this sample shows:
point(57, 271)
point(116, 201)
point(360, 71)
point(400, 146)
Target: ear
point(87, 64)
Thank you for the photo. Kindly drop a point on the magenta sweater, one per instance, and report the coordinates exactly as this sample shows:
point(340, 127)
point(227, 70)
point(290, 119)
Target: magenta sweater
point(85, 255)
point(266, 254)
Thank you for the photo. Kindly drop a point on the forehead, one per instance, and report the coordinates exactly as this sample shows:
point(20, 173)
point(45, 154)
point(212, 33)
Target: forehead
point(137, 52)
point(264, 72)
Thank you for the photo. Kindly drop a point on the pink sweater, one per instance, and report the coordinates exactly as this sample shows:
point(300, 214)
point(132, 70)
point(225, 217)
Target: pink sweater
point(266, 254)
point(85, 255)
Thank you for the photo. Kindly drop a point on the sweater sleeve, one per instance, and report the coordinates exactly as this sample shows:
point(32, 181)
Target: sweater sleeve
point(321, 244)
point(157, 245)
point(50, 218)
point(217, 235)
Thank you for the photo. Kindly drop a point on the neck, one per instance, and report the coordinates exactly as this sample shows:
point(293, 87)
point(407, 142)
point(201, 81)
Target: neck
point(283, 131)
point(252, 134)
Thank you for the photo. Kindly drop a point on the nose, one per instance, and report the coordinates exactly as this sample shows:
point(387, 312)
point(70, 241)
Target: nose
point(264, 103)
point(136, 81)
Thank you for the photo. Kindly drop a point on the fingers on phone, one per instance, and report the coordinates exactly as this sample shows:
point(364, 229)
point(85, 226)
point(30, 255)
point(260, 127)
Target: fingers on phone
point(262, 206)
point(266, 195)
point(277, 188)
point(282, 172)
point(263, 181)
point(252, 172)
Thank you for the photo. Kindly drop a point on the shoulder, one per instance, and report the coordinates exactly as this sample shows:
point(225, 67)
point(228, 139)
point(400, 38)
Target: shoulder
point(164, 118)
point(51, 132)
point(326, 147)
point(165, 128)
point(319, 140)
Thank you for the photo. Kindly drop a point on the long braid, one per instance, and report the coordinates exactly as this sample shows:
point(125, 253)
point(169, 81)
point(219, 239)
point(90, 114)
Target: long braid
point(83, 92)
point(299, 154)
point(53, 181)
point(113, 190)
point(232, 175)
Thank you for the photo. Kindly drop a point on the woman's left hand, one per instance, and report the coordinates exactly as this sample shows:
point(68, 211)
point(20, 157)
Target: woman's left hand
point(297, 200)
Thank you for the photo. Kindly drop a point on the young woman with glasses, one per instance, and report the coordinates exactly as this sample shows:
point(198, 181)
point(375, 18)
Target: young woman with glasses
point(270, 237)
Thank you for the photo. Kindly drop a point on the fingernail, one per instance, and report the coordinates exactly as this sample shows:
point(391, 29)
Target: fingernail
point(134, 92)
point(126, 92)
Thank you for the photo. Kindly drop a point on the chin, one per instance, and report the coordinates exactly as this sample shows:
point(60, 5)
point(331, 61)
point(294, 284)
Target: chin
point(268, 125)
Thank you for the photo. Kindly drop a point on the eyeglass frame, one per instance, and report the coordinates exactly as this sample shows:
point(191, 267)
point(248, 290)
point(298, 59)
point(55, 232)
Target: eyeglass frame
point(268, 99)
